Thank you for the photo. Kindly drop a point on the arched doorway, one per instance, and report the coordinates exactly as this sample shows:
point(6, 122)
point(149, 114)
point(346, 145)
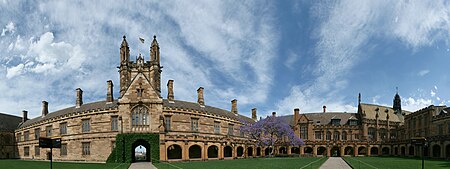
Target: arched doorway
point(250, 151)
point(295, 150)
point(362, 151)
point(308, 150)
point(402, 151)
point(374, 151)
point(227, 151)
point(447, 151)
point(396, 151)
point(436, 151)
point(348, 150)
point(258, 151)
point(282, 150)
point(411, 150)
point(268, 151)
point(385, 151)
point(322, 151)
point(213, 151)
point(195, 151)
point(174, 151)
point(140, 151)
point(240, 151)
point(335, 151)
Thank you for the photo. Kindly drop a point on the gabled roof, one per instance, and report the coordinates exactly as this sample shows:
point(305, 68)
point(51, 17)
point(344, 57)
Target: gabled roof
point(369, 111)
point(323, 118)
point(9, 122)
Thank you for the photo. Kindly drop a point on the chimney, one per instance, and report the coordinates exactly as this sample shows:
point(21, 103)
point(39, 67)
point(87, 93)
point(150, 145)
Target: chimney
point(25, 116)
point(201, 100)
point(254, 114)
point(109, 92)
point(79, 101)
point(234, 106)
point(324, 109)
point(296, 114)
point(170, 96)
point(44, 108)
point(274, 114)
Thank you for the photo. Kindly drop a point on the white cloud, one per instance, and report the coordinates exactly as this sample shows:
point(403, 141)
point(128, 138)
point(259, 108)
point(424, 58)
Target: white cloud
point(15, 71)
point(423, 72)
point(292, 58)
point(9, 28)
point(432, 93)
point(413, 104)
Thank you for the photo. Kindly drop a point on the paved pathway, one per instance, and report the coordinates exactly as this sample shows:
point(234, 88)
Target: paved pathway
point(142, 165)
point(335, 163)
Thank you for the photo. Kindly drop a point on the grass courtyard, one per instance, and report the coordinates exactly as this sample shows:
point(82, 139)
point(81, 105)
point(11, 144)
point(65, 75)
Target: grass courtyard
point(21, 164)
point(252, 163)
point(394, 162)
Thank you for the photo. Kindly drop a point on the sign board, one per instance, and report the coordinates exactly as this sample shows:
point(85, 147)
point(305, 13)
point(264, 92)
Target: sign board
point(49, 143)
point(418, 140)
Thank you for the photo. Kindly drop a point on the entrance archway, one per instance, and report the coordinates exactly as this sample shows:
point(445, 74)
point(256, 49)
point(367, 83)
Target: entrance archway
point(308, 150)
point(362, 151)
point(411, 150)
point(195, 151)
point(385, 151)
point(213, 151)
point(258, 151)
point(374, 151)
point(447, 151)
point(402, 151)
point(267, 151)
point(396, 151)
point(295, 150)
point(436, 151)
point(335, 151)
point(174, 151)
point(282, 150)
point(322, 151)
point(240, 151)
point(140, 151)
point(250, 151)
point(348, 150)
point(227, 151)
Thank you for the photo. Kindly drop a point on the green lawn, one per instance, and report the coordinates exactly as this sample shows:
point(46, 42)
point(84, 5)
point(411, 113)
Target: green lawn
point(22, 164)
point(394, 162)
point(251, 163)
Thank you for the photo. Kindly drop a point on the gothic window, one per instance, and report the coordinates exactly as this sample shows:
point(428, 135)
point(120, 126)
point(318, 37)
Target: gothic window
point(139, 116)
point(37, 133)
point(383, 133)
point(441, 129)
point(216, 127)
point(336, 136)
point(26, 135)
point(393, 134)
point(328, 135)
point(194, 124)
point(371, 132)
point(318, 135)
point(63, 128)
point(167, 123)
point(344, 135)
point(86, 125)
point(304, 132)
point(114, 124)
point(86, 148)
point(230, 129)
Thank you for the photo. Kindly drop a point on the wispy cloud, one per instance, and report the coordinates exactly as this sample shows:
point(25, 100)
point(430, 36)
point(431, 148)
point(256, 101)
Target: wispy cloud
point(423, 72)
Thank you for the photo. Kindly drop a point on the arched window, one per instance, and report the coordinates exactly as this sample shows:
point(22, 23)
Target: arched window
point(139, 116)
point(336, 135)
point(371, 133)
point(328, 135)
point(344, 135)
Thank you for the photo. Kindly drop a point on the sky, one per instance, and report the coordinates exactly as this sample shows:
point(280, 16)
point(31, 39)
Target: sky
point(271, 55)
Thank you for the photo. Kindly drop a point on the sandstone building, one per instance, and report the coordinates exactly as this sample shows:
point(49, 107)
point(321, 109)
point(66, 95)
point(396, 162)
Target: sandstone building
point(196, 131)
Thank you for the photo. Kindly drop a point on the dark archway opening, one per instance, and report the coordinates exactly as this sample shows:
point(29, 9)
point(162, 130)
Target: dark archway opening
point(396, 151)
point(411, 150)
point(282, 150)
point(402, 151)
point(308, 150)
point(213, 151)
point(250, 151)
point(447, 151)
point(348, 151)
point(240, 151)
point(140, 151)
point(322, 151)
point(174, 152)
point(426, 151)
point(295, 150)
point(385, 151)
point(195, 151)
point(268, 151)
point(227, 151)
point(335, 152)
point(436, 151)
point(258, 151)
point(362, 151)
point(374, 151)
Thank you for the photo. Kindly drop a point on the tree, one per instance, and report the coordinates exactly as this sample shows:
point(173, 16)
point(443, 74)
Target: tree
point(271, 131)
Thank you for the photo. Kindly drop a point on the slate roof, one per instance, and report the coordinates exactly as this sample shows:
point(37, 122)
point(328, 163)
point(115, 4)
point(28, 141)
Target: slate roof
point(9, 122)
point(369, 110)
point(102, 105)
point(324, 118)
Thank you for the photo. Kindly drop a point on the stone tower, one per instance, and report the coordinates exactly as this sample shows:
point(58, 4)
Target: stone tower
point(124, 68)
point(397, 104)
point(155, 66)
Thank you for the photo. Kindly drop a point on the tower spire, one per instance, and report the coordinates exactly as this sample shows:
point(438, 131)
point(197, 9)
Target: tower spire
point(397, 103)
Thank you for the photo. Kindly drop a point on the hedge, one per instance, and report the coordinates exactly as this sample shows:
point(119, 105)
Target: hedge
point(116, 155)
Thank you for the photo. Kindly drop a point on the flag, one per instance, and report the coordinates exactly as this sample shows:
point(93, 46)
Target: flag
point(141, 39)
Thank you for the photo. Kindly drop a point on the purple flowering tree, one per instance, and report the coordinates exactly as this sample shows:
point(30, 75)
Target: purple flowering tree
point(271, 131)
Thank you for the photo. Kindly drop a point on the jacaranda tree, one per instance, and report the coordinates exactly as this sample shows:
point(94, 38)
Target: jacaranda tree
point(270, 132)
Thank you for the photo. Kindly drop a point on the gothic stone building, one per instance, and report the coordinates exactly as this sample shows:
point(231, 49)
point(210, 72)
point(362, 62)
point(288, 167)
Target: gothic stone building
point(196, 131)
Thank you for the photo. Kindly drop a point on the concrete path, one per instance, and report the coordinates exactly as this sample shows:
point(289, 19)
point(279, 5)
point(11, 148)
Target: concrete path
point(335, 163)
point(142, 165)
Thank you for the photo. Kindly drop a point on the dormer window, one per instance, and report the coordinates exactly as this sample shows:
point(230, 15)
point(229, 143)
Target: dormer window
point(353, 122)
point(336, 122)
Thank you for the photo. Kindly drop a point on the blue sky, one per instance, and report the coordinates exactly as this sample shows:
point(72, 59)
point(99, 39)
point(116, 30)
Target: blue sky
point(272, 55)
